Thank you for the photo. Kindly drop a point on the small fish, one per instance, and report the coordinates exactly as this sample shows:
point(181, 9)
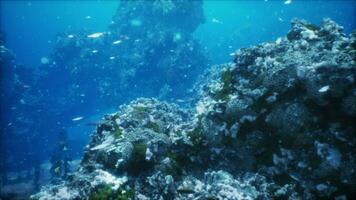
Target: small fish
point(44, 60)
point(70, 36)
point(287, 2)
point(56, 170)
point(214, 20)
point(324, 89)
point(117, 42)
point(279, 40)
point(136, 22)
point(95, 35)
point(77, 119)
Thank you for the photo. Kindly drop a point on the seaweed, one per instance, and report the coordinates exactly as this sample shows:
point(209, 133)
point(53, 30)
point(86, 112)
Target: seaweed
point(227, 141)
point(105, 192)
point(118, 133)
point(312, 27)
point(185, 191)
point(210, 198)
point(177, 162)
point(227, 88)
point(138, 162)
point(198, 139)
point(153, 126)
point(140, 112)
point(196, 136)
point(351, 50)
point(279, 59)
point(102, 193)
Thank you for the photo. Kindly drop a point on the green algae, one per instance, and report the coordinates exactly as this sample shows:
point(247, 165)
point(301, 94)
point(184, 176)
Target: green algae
point(279, 59)
point(118, 133)
point(227, 86)
point(140, 112)
point(105, 192)
point(177, 162)
point(185, 191)
point(312, 27)
point(153, 126)
point(138, 162)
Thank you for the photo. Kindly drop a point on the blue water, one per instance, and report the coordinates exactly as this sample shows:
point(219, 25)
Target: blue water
point(29, 24)
point(246, 23)
point(30, 30)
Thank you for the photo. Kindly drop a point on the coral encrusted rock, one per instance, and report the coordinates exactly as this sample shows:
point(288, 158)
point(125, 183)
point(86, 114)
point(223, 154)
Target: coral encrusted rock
point(277, 123)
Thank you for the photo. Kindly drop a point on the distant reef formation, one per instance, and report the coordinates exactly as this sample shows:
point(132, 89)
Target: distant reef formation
point(277, 123)
point(150, 39)
point(148, 50)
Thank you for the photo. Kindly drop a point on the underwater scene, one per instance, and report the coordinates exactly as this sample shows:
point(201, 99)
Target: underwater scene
point(178, 100)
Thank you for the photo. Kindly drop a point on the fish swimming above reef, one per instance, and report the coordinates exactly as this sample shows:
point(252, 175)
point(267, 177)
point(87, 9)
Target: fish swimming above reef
point(95, 35)
point(77, 119)
point(287, 2)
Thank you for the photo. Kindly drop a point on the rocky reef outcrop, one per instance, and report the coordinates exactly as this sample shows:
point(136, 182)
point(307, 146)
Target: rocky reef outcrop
point(286, 110)
point(277, 123)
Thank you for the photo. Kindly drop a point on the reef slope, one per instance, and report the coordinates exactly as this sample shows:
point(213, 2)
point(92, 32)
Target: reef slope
point(277, 123)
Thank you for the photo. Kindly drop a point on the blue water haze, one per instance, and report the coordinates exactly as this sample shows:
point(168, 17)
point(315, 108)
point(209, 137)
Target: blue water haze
point(239, 24)
point(77, 61)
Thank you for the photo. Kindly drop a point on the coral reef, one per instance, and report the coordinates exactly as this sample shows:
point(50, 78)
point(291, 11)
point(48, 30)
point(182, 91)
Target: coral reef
point(278, 123)
point(284, 110)
point(88, 72)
